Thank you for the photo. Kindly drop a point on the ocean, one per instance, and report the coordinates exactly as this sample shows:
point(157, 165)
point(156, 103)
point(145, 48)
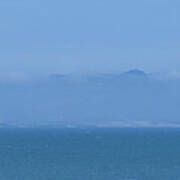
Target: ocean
point(90, 154)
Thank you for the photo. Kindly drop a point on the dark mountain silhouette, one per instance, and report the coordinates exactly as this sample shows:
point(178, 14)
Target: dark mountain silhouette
point(102, 78)
point(136, 72)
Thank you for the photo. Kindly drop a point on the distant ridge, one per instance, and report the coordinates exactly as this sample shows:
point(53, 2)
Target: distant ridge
point(130, 73)
point(132, 98)
point(135, 72)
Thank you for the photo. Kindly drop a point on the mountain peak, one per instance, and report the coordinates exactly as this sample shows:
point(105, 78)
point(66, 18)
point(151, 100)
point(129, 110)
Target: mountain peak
point(136, 72)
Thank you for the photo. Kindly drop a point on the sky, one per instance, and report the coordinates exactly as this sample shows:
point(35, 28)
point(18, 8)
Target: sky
point(43, 37)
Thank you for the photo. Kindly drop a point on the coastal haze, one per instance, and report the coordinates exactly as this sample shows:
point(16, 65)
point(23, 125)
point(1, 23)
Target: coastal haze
point(89, 90)
point(71, 63)
point(128, 99)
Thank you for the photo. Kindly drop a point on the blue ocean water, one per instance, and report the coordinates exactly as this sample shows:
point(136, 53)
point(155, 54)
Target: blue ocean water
point(89, 154)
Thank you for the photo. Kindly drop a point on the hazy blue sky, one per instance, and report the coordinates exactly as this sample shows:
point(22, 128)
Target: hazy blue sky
point(101, 35)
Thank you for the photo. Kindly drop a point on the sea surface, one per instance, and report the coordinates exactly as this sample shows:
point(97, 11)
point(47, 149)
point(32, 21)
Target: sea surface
point(90, 154)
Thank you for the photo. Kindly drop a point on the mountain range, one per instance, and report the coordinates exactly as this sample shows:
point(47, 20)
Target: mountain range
point(133, 98)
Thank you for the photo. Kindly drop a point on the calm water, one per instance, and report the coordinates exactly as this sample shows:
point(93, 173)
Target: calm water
point(119, 154)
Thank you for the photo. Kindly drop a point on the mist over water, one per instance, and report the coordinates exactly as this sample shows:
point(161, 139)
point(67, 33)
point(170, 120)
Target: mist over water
point(89, 90)
point(134, 98)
